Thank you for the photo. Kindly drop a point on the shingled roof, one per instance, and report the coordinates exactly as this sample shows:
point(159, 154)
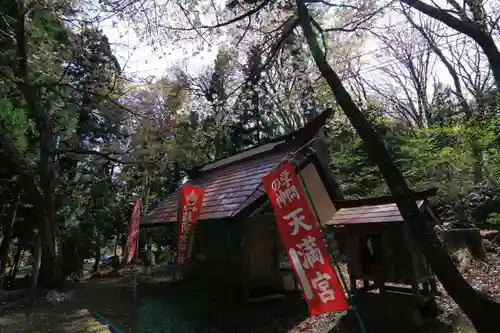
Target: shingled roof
point(233, 185)
point(369, 214)
point(376, 209)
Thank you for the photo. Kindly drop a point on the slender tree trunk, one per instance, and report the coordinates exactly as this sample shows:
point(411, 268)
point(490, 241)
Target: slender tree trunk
point(482, 311)
point(7, 237)
point(37, 260)
point(3, 203)
point(79, 263)
point(451, 70)
point(116, 245)
point(97, 259)
point(477, 155)
point(17, 259)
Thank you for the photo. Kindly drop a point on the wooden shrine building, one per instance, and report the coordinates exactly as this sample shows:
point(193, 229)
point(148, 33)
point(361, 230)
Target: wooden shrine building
point(379, 250)
point(236, 240)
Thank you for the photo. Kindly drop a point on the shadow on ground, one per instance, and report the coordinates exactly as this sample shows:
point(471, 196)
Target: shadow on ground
point(188, 307)
point(196, 307)
point(391, 313)
point(182, 307)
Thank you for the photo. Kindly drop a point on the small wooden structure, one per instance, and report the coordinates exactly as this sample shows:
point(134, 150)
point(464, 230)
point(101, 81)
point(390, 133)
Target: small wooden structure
point(236, 240)
point(380, 252)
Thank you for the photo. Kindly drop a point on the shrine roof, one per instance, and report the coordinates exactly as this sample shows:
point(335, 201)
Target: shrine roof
point(382, 213)
point(233, 185)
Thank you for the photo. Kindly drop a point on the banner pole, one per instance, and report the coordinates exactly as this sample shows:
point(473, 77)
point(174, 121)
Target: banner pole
point(136, 253)
point(179, 222)
point(339, 272)
point(135, 284)
point(134, 267)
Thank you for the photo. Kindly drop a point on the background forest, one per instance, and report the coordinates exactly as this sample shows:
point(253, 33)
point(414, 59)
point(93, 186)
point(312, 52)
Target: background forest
point(80, 138)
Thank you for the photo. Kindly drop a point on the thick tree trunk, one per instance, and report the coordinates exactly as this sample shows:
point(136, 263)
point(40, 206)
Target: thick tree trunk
point(51, 274)
point(482, 311)
point(51, 267)
point(51, 270)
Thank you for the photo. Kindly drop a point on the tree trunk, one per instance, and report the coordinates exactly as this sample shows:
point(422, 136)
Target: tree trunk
point(7, 237)
point(4, 225)
point(17, 259)
point(97, 259)
point(51, 274)
point(79, 263)
point(37, 259)
point(482, 311)
point(124, 244)
point(51, 263)
point(478, 165)
point(51, 269)
point(451, 70)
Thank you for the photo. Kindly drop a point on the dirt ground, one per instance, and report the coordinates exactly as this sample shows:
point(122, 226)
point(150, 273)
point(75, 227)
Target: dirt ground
point(161, 306)
point(70, 313)
point(166, 306)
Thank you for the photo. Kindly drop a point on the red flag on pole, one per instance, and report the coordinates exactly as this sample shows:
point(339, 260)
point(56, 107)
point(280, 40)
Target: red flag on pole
point(304, 242)
point(133, 233)
point(190, 201)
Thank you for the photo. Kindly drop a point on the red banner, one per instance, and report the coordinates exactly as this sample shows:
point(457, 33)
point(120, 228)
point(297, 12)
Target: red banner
point(304, 242)
point(190, 201)
point(133, 232)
